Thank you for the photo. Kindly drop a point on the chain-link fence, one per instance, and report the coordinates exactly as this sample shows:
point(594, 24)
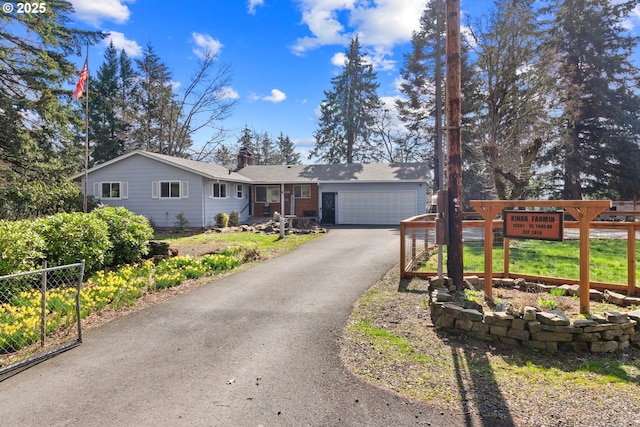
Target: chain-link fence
point(39, 315)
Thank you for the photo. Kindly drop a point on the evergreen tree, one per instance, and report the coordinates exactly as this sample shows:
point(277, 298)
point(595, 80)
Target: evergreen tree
point(417, 110)
point(597, 152)
point(287, 150)
point(39, 143)
point(105, 125)
point(225, 157)
point(348, 111)
point(34, 101)
point(126, 100)
point(157, 109)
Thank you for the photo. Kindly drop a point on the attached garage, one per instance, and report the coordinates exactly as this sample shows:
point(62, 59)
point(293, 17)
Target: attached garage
point(376, 207)
point(351, 194)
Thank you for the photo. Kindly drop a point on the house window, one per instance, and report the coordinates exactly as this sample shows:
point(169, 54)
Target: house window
point(301, 191)
point(169, 189)
point(110, 190)
point(267, 193)
point(218, 190)
point(239, 191)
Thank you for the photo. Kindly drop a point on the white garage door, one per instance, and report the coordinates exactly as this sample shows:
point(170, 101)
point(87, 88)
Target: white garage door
point(376, 207)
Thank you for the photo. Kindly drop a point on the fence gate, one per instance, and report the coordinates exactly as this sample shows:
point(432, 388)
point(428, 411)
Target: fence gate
point(39, 316)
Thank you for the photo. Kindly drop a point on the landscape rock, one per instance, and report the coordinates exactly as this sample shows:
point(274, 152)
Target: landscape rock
point(616, 317)
point(554, 317)
point(614, 297)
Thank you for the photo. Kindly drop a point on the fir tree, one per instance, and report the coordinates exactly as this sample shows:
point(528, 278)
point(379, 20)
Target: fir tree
point(348, 111)
point(597, 152)
point(105, 124)
point(287, 150)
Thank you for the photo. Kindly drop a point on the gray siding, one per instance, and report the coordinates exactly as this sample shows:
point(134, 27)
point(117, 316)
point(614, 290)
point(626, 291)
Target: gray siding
point(139, 172)
point(214, 206)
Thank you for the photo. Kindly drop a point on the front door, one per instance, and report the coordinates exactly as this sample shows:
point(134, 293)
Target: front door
point(328, 208)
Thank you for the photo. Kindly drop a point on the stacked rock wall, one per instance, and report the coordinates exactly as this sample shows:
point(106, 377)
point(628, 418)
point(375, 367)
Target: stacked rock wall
point(551, 331)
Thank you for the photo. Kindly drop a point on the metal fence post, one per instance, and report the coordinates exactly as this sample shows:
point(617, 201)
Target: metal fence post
point(80, 278)
point(43, 305)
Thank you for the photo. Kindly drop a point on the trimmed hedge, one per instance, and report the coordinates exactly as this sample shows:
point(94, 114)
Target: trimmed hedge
point(21, 247)
point(105, 237)
point(72, 237)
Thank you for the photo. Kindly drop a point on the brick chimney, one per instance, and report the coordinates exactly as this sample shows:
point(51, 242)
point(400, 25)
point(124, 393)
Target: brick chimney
point(244, 158)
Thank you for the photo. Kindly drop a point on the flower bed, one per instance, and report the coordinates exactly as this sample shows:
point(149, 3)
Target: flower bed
point(20, 317)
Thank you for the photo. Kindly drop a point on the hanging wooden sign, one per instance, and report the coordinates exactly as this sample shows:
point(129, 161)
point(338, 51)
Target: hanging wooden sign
point(534, 225)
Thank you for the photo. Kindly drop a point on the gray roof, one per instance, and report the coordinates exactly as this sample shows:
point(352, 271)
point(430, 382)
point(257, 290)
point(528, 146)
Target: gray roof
point(207, 170)
point(372, 172)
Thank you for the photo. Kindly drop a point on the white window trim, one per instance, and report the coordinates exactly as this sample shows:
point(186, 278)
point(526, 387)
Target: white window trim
point(212, 191)
point(242, 191)
point(124, 190)
point(156, 187)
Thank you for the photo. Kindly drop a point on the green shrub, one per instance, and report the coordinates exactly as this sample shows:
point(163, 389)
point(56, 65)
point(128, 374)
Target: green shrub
point(21, 247)
point(234, 219)
point(72, 237)
point(222, 220)
point(182, 223)
point(129, 234)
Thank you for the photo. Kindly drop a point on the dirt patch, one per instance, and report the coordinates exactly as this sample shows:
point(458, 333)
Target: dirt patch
point(517, 299)
point(390, 341)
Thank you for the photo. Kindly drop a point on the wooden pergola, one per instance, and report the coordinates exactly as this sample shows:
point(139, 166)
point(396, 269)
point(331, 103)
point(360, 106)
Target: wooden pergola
point(584, 211)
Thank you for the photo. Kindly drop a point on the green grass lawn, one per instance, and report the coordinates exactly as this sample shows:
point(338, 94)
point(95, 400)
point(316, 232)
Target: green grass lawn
point(267, 244)
point(551, 259)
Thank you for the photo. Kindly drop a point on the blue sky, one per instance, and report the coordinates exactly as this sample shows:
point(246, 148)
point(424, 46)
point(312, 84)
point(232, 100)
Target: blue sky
point(283, 52)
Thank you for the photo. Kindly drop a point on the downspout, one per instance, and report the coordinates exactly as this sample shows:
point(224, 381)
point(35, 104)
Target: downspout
point(282, 210)
point(204, 204)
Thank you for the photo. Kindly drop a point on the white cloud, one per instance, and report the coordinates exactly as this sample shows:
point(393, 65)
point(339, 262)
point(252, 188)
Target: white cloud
point(228, 93)
point(205, 43)
point(275, 97)
point(379, 25)
point(132, 48)
point(338, 59)
point(388, 23)
point(322, 20)
point(95, 11)
point(253, 4)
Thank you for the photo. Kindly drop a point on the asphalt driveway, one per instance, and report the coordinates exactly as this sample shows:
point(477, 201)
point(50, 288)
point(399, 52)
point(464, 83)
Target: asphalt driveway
point(257, 348)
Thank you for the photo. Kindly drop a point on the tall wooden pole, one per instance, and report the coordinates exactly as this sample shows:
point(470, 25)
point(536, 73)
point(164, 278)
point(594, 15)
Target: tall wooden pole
point(438, 163)
point(438, 158)
point(454, 152)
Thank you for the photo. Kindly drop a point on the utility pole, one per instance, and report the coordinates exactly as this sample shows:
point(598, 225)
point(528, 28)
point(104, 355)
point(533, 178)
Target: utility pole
point(454, 152)
point(438, 180)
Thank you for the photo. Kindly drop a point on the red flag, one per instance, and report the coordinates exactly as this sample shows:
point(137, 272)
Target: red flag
point(84, 74)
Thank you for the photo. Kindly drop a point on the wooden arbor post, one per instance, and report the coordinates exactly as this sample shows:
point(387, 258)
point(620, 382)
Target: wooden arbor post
point(488, 211)
point(584, 211)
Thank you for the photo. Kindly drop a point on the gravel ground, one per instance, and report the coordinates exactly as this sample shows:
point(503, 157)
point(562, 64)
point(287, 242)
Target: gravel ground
point(391, 342)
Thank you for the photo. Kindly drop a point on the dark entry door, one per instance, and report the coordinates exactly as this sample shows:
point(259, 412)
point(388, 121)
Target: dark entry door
point(328, 208)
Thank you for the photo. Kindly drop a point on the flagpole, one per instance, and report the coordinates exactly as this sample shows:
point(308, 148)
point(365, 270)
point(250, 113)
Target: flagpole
point(86, 138)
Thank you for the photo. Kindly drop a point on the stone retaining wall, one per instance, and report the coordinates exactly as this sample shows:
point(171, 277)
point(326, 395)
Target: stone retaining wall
point(551, 331)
